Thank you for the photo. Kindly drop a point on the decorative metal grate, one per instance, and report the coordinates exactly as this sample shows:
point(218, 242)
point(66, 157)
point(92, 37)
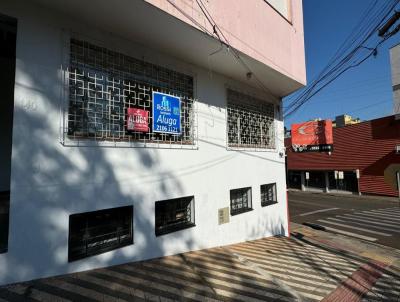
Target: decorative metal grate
point(103, 84)
point(250, 122)
point(268, 194)
point(240, 200)
point(174, 214)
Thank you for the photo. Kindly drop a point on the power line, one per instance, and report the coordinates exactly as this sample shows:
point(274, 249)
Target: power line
point(343, 60)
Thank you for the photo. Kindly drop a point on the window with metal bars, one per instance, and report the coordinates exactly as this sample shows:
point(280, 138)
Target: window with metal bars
point(97, 232)
point(268, 194)
point(104, 84)
point(174, 214)
point(250, 122)
point(240, 200)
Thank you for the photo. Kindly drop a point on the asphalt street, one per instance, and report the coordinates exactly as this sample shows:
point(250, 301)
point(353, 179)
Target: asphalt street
point(373, 219)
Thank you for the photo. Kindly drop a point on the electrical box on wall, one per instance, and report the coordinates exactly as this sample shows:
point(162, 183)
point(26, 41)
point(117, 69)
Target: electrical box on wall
point(223, 215)
point(397, 149)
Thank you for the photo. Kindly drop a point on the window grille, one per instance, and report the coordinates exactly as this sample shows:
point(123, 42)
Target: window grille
point(250, 122)
point(268, 194)
point(240, 200)
point(97, 232)
point(174, 214)
point(103, 84)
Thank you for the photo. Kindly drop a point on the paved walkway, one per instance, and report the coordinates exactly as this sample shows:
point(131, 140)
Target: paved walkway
point(269, 269)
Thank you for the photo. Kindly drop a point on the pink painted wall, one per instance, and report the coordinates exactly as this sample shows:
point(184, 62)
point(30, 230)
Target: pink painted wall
point(254, 28)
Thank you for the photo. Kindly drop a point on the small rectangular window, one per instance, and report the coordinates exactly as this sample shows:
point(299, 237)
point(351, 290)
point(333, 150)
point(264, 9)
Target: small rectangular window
point(268, 194)
point(174, 214)
point(240, 200)
point(97, 232)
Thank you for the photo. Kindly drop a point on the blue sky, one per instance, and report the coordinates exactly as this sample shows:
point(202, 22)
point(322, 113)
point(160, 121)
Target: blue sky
point(365, 91)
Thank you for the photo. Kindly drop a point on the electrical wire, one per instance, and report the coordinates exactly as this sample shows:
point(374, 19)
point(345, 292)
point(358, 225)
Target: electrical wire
point(343, 60)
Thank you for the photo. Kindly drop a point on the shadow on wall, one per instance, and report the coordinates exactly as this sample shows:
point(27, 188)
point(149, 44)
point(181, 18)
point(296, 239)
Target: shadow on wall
point(51, 182)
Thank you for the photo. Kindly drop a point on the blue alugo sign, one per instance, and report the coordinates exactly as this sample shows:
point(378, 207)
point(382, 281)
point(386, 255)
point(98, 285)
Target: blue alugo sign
point(166, 113)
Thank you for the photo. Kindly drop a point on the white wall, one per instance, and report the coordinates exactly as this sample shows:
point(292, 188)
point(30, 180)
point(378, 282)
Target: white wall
point(49, 181)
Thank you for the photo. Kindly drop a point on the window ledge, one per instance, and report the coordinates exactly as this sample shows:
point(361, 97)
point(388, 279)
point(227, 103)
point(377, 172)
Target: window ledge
point(241, 211)
point(174, 229)
point(265, 204)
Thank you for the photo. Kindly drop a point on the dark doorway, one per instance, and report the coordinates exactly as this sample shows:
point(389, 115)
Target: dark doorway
point(316, 180)
point(294, 180)
point(348, 183)
point(8, 38)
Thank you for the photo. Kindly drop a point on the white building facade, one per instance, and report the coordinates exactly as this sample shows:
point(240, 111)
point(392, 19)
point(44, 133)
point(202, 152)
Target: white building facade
point(95, 175)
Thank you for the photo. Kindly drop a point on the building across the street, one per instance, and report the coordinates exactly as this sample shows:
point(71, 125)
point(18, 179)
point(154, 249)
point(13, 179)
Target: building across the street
point(364, 160)
point(136, 129)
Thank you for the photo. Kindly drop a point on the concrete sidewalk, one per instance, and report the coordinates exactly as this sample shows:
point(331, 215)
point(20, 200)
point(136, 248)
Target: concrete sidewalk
point(309, 266)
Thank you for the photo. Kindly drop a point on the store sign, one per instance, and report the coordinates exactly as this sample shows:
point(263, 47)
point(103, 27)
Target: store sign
point(313, 136)
point(137, 120)
point(166, 113)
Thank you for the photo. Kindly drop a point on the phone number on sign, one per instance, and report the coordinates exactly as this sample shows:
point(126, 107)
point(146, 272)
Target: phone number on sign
point(169, 129)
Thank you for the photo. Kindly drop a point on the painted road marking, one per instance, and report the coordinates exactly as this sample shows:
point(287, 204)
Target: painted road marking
point(393, 227)
point(355, 228)
point(349, 234)
point(380, 216)
point(318, 211)
point(365, 224)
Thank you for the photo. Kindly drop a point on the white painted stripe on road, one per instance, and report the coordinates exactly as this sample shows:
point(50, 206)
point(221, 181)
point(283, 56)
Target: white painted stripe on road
point(349, 234)
point(396, 209)
point(378, 215)
point(392, 226)
point(318, 211)
point(390, 213)
point(355, 228)
point(364, 223)
point(394, 215)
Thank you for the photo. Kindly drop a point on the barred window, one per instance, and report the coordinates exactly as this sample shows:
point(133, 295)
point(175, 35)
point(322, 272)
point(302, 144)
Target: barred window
point(250, 122)
point(104, 85)
point(268, 194)
point(240, 200)
point(174, 214)
point(97, 232)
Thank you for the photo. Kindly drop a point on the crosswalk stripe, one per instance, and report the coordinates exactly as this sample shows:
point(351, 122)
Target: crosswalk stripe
point(393, 210)
point(378, 216)
point(355, 228)
point(392, 217)
point(368, 225)
point(374, 221)
point(349, 233)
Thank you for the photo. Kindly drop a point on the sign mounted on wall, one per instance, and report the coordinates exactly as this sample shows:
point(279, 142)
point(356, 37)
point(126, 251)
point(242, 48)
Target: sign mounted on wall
point(166, 113)
point(137, 120)
point(313, 136)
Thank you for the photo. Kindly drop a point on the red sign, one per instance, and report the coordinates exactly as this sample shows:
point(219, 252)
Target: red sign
point(137, 120)
point(312, 133)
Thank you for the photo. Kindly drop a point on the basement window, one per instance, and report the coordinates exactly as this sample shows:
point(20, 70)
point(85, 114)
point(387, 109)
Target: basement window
point(240, 200)
point(97, 232)
point(268, 194)
point(174, 214)
point(250, 122)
